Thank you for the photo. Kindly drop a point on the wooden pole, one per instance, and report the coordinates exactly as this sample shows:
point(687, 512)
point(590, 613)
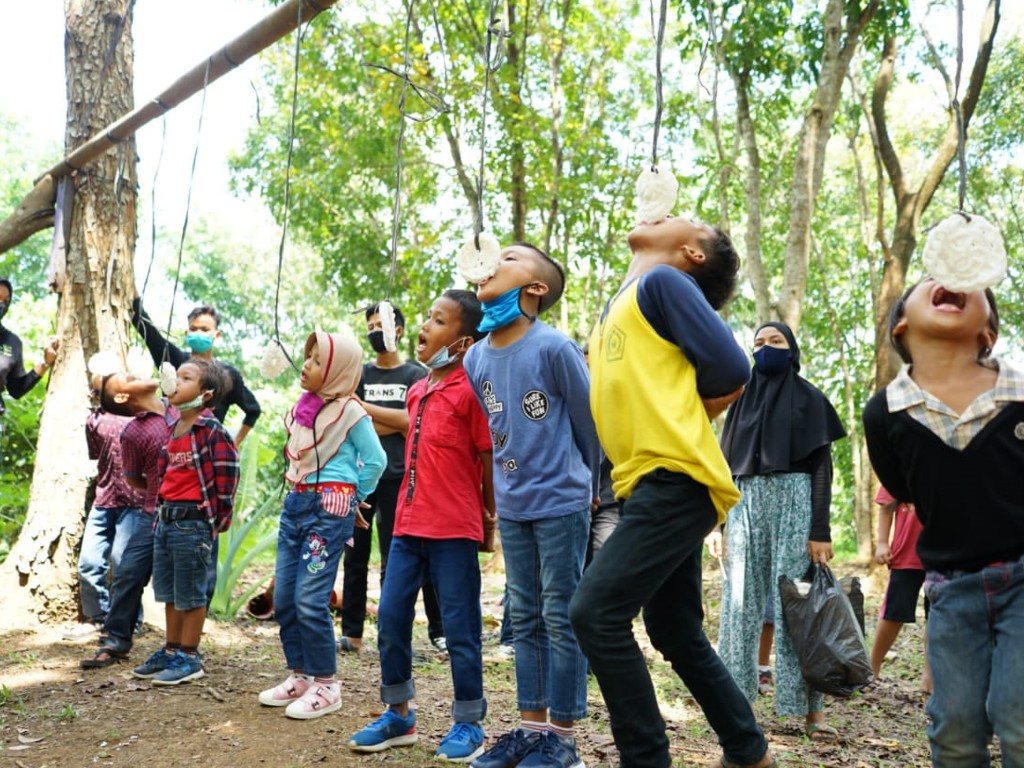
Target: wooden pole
point(36, 211)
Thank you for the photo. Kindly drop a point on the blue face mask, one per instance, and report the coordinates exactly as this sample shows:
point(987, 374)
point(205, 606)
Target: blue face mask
point(501, 311)
point(772, 361)
point(443, 357)
point(199, 342)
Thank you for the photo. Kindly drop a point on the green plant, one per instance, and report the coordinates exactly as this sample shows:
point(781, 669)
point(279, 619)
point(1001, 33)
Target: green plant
point(252, 533)
point(69, 712)
point(6, 694)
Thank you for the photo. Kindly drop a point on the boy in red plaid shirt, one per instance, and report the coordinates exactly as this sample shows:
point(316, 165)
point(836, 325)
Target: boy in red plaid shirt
point(198, 472)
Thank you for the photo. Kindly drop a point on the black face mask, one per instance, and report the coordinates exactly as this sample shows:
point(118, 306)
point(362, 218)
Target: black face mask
point(3, 308)
point(377, 341)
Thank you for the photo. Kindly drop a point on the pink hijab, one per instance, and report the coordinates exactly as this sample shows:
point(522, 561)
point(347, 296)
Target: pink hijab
point(309, 448)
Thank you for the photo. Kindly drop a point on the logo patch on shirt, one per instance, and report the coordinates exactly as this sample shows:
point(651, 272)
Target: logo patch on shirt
point(509, 465)
point(615, 347)
point(535, 405)
point(382, 393)
point(491, 401)
point(1018, 431)
point(500, 439)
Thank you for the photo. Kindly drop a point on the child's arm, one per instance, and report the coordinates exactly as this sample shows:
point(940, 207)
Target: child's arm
point(388, 421)
point(677, 310)
point(490, 511)
point(573, 378)
point(371, 454)
point(883, 459)
point(883, 552)
point(224, 454)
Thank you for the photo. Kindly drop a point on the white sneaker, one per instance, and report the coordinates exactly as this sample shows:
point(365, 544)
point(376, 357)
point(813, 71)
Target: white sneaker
point(318, 700)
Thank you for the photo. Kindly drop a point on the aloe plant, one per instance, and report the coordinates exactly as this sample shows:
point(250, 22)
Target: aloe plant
point(249, 535)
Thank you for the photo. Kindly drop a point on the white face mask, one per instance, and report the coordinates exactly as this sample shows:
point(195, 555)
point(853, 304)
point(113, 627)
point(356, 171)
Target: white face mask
point(443, 357)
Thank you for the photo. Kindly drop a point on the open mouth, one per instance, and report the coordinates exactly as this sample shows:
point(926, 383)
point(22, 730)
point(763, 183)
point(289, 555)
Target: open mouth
point(941, 297)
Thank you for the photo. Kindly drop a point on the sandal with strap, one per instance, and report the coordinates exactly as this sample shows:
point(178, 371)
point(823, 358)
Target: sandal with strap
point(765, 762)
point(104, 657)
point(820, 733)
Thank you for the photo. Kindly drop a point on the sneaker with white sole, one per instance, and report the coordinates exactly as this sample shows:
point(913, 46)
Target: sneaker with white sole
point(464, 743)
point(509, 750)
point(553, 752)
point(388, 730)
point(154, 665)
point(285, 693)
point(181, 668)
point(319, 699)
point(440, 644)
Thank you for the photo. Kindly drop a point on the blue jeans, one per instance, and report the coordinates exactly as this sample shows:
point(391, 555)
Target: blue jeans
point(652, 562)
point(310, 543)
point(543, 565)
point(975, 642)
point(130, 578)
point(182, 550)
point(454, 568)
point(106, 534)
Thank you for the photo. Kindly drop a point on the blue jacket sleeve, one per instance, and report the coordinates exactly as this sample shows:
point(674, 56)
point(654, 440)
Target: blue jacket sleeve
point(676, 308)
point(371, 454)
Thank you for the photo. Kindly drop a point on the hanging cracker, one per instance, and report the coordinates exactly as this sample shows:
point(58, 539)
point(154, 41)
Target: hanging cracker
point(965, 253)
point(387, 324)
point(274, 361)
point(476, 264)
point(656, 192)
point(168, 378)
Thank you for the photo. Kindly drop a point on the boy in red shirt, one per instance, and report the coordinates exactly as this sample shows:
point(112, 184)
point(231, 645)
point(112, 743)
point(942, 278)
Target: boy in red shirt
point(445, 515)
point(906, 577)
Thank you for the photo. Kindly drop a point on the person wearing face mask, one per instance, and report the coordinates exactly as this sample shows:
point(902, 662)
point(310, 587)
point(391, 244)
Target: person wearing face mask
point(778, 441)
point(13, 377)
point(203, 334)
point(385, 383)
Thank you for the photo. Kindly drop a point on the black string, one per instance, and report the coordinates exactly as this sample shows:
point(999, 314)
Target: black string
point(961, 149)
point(494, 57)
point(288, 190)
point(188, 200)
point(152, 205)
point(659, 37)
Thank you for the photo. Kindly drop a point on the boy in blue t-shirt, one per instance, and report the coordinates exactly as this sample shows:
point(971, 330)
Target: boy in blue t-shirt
point(534, 386)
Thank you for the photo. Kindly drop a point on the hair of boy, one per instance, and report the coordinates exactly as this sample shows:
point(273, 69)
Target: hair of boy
point(212, 378)
point(107, 402)
point(550, 273)
point(472, 311)
point(204, 309)
point(399, 317)
point(899, 309)
point(717, 276)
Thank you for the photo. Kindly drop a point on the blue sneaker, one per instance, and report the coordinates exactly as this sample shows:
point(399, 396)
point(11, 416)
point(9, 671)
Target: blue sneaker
point(156, 663)
point(181, 668)
point(509, 750)
point(388, 730)
point(553, 752)
point(464, 742)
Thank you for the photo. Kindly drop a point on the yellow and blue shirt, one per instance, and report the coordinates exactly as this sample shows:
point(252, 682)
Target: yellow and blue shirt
point(657, 351)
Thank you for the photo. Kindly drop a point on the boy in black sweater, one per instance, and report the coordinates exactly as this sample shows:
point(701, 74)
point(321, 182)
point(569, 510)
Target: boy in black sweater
point(948, 436)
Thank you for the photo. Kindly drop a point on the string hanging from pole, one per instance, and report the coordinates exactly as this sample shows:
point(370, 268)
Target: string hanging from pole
point(479, 258)
point(436, 106)
point(656, 188)
point(963, 252)
point(152, 204)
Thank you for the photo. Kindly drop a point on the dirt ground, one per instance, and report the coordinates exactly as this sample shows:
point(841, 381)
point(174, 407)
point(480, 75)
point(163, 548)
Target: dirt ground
point(54, 714)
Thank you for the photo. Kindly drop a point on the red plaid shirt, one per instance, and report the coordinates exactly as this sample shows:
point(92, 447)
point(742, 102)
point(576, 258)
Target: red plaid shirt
point(142, 441)
point(216, 461)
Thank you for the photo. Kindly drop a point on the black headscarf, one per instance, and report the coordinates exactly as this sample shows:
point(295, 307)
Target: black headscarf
point(778, 420)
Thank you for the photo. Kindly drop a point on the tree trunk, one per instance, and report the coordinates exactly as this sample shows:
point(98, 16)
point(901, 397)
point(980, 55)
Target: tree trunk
point(40, 576)
point(911, 203)
point(809, 164)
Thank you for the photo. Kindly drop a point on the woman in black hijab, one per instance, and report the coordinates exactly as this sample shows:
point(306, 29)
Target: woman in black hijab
point(778, 441)
point(13, 376)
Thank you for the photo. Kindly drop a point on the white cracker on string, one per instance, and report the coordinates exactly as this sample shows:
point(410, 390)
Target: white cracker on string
point(477, 264)
point(103, 364)
point(965, 253)
point(168, 378)
point(387, 325)
point(656, 191)
point(274, 361)
point(139, 363)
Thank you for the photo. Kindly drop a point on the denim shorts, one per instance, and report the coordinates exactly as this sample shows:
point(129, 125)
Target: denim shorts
point(182, 553)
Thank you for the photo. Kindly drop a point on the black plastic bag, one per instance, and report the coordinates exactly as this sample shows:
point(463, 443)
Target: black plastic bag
point(825, 633)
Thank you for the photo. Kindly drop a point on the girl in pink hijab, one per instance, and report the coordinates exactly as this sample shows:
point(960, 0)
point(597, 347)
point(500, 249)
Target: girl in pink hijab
point(334, 462)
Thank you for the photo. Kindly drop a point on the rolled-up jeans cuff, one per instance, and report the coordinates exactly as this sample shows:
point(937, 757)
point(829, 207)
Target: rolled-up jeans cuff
point(469, 711)
point(398, 693)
